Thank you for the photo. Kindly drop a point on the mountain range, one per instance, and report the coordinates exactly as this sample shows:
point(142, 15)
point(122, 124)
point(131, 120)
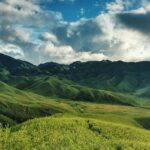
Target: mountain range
point(127, 77)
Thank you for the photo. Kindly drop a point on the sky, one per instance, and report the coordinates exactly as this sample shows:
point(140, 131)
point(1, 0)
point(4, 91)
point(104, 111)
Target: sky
point(65, 31)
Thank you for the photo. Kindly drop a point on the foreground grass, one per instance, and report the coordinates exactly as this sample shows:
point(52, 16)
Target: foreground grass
point(73, 133)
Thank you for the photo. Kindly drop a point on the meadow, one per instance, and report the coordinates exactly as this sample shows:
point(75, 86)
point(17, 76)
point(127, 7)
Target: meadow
point(73, 133)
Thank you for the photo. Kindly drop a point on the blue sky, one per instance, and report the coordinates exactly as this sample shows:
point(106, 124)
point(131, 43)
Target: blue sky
point(72, 11)
point(65, 31)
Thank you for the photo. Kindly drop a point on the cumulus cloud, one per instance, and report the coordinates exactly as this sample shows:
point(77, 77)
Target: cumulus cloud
point(39, 35)
point(19, 22)
point(136, 21)
point(79, 34)
point(65, 54)
point(14, 34)
point(115, 6)
point(12, 50)
point(110, 34)
point(46, 36)
point(25, 11)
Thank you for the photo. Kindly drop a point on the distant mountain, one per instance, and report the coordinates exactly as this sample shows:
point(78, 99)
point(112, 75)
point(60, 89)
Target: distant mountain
point(95, 68)
point(116, 76)
point(128, 77)
point(9, 65)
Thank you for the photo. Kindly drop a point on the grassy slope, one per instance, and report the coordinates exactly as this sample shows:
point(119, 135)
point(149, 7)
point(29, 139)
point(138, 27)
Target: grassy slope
point(18, 106)
point(73, 133)
point(68, 130)
point(61, 88)
point(137, 84)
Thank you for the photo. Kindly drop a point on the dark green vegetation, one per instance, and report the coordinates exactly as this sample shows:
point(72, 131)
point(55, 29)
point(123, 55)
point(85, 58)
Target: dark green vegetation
point(92, 105)
point(114, 76)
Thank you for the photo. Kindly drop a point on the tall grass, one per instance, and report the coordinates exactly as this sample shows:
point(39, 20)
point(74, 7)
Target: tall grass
point(74, 133)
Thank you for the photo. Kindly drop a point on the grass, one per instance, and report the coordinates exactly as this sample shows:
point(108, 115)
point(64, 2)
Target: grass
point(73, 133)
point(61, 88)
point(72, 125)
point(17, 106)
point(20, 106)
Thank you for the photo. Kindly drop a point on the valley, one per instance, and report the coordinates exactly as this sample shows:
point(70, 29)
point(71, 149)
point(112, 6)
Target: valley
point(74, 107)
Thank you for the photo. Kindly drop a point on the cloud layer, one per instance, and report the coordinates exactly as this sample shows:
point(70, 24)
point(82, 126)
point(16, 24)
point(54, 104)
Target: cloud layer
point(29, 32)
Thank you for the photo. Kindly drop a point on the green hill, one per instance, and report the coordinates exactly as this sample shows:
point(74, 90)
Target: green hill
point(65, 89)
point(17, 106)
point(114, 76)
point(73, 133)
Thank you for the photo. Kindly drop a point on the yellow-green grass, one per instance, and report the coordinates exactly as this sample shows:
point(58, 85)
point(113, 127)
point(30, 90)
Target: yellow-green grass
point(73, 133)
point(129, 115)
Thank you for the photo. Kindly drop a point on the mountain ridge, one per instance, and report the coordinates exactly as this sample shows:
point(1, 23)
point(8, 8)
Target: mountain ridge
point(117, 76)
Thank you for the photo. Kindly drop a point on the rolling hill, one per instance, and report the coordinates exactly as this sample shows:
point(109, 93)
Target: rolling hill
point(17, 106)
point(73, 133)
point(65, 89)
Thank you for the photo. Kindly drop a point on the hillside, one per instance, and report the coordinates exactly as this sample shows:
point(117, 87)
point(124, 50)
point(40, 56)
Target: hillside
point(17, 106)
point(73, 133)
point(115, 76)
point(73, 124)
point(11, 66)
point(65, 89)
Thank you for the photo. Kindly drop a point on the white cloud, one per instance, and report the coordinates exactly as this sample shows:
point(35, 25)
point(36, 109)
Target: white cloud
point(66, 54)
point(46, 36)
point(115, 7)
point(22, 33)
point(102, 37)
point(26, 12)
point(132, 46)
point(13, 11)
point(123, 43)
point(12, 50)
point(19, 23)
